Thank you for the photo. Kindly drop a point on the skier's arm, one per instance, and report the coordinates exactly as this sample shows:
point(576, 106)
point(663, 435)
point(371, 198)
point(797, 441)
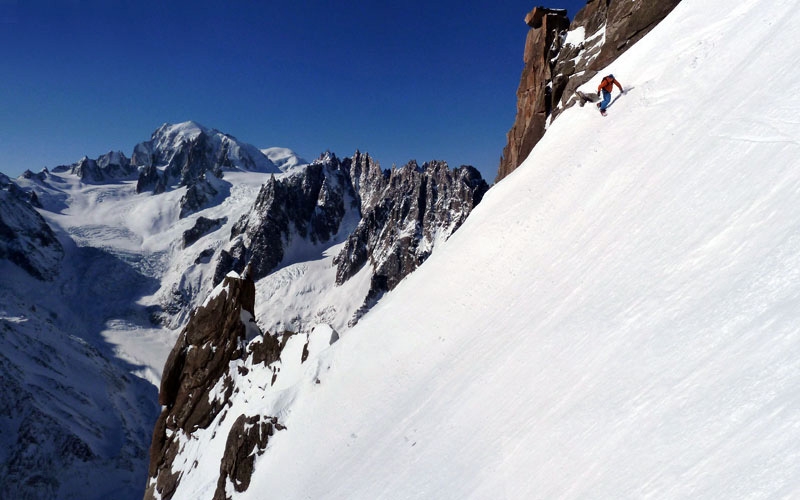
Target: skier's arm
point(618, 85)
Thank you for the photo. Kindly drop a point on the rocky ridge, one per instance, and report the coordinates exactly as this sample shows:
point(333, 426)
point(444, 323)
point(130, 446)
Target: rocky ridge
point(561, 56)
point(218, 352)
point(403, 216)
point(111, 166)
point(389, 219)
point(215, 335)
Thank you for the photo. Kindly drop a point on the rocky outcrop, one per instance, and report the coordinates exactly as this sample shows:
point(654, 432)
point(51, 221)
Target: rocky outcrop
point(556, 64)
point(214, 355)
point(199, 194)
point(534, 101)
point(202, 226)
point(150, 180)
point(609, 29)
point(627, 23)
point(247, 438)
point(26, 239)
point(215, 335)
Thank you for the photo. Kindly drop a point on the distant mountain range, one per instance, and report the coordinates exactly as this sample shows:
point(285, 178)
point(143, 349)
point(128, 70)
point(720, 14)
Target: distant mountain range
point(122, 250)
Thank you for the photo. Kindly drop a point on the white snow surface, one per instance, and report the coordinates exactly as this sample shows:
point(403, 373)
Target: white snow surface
point(575, 37)
point(284, 158)
point(617, 319)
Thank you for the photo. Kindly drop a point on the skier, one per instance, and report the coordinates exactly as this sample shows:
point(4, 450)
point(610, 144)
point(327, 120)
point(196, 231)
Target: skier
point(606, 86)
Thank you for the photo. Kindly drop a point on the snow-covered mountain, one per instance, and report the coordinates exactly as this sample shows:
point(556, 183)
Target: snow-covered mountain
point(173, 145)
point(103, 276)
point(192, 156)
point(284, 158)
point(618, 318)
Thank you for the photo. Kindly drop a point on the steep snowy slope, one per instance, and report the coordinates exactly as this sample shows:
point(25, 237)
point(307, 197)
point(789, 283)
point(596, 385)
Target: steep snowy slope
point(617, 319)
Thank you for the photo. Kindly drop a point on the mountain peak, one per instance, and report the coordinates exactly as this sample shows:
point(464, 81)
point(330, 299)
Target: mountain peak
point(183, 131)
point(284, 158)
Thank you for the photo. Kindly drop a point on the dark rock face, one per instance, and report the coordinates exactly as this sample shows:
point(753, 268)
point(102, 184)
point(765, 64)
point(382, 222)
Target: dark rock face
point(26, 239)
point(202, 227)
point(214, 336)
point(150, 180)
point(88, 170)
point(624, 24)
point(553, 69)
point(197, 386)
point(265, 349)
point(199, 195)
point(248, 436)
point(628, 22)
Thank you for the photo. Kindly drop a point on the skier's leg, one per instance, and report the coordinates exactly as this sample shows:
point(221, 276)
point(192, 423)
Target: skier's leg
point(606, 100)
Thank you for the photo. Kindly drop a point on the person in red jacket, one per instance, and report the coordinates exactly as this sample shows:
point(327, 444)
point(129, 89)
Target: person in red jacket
point(606, 86)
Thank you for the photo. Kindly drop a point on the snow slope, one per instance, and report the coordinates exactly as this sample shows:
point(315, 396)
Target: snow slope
point(617, 319)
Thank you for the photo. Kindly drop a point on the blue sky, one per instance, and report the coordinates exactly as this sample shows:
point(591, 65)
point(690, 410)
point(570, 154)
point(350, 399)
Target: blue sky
point(401, 80)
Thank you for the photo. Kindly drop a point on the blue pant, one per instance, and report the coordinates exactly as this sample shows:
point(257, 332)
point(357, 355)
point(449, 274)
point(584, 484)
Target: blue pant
point(606, 100)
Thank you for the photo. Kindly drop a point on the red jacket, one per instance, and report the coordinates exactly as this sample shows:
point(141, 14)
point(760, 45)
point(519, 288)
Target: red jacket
point(608, 85)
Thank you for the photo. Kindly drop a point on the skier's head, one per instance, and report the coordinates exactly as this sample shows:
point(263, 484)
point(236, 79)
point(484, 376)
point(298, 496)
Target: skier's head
point(611, 76)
